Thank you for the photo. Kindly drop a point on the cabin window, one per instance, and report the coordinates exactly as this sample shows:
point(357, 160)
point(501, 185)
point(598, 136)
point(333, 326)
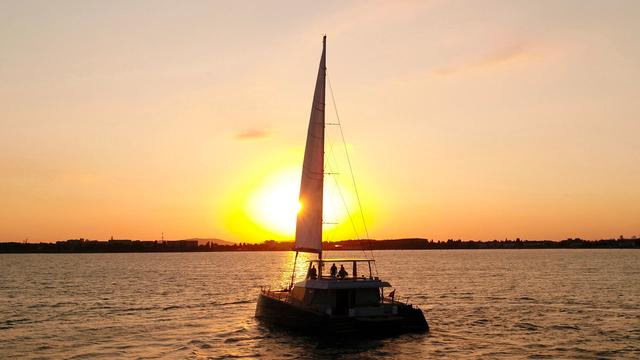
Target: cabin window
point(321, 298)
point(367, 297)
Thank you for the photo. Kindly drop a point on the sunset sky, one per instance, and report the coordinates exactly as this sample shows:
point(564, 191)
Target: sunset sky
point(463, 119)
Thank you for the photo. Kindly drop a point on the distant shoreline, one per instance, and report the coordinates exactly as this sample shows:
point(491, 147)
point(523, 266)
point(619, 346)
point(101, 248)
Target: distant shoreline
point(199, 245)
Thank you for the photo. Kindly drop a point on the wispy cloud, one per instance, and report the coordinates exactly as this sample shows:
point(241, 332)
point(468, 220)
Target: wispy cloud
point(251, 134)
point(506, 54)
point(509, 54)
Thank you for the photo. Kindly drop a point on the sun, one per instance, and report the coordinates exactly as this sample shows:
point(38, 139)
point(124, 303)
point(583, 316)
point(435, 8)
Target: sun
point(274, 204)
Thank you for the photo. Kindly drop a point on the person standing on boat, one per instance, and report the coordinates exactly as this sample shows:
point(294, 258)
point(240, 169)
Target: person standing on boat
point(313, 273)
point(342, 273)
point(334, 271)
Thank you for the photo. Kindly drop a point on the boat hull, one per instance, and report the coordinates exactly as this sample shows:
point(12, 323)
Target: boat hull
point(294, 317)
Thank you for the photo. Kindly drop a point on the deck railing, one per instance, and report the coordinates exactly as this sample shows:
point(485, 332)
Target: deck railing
point(388, 300)
point(283, 295)
point(346, 278)
point(278, 295)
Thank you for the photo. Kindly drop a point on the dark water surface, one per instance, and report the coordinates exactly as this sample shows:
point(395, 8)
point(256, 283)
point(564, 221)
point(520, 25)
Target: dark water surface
point(479, 303)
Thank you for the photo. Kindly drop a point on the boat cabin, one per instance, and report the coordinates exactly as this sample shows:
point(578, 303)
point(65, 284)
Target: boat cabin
point(358, 293)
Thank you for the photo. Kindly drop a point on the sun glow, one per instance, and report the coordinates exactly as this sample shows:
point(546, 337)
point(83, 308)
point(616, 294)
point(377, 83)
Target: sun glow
point(274, 205)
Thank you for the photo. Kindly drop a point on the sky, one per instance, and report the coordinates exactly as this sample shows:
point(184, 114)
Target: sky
point(463, 119)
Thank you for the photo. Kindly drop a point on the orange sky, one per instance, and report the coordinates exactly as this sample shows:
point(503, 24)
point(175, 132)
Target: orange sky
point(473, 120)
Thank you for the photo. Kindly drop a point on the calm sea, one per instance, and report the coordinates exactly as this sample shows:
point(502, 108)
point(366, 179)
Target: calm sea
point(479, 303)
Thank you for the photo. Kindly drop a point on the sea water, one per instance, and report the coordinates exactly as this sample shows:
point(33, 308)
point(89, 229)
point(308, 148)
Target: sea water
point(479, 303)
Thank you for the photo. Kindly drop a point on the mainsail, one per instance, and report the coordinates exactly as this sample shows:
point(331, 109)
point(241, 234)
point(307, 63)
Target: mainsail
point(309, 221)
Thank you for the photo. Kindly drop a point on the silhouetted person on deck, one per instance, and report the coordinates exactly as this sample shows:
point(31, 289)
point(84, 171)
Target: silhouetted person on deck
point(334, 270)
point(342, 273)
point(313, 273)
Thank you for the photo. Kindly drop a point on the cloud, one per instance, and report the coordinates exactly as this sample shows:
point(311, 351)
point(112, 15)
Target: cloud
point(511, 53)
point(251, 134)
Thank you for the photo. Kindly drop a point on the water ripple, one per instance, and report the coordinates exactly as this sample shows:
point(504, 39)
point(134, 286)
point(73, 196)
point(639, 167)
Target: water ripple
point(536, 304)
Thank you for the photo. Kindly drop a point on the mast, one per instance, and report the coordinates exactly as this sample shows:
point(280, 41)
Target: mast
point(323, 68)
point(309, 220)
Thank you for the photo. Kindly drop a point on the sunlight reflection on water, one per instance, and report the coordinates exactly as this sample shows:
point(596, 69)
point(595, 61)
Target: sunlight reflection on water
point(301, 269)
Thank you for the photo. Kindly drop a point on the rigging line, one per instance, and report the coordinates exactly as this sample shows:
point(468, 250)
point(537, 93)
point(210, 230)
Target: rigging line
point(331, 146)
point(330, 234)
point(331, 154)
point(346, 208)
point(353, 178)
point(293, 272)
point(333, 138)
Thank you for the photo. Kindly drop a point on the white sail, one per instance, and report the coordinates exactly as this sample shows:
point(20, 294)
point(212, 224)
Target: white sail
point(309, 221)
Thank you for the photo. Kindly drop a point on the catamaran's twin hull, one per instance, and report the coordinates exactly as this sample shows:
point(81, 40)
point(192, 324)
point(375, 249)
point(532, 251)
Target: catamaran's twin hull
point(282, 313)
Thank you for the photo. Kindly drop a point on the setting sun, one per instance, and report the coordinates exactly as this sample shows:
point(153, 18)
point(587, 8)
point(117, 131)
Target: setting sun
point(273, 205)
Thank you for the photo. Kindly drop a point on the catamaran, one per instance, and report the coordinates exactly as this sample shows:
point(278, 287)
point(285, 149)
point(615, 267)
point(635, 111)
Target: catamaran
point(335, 302)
